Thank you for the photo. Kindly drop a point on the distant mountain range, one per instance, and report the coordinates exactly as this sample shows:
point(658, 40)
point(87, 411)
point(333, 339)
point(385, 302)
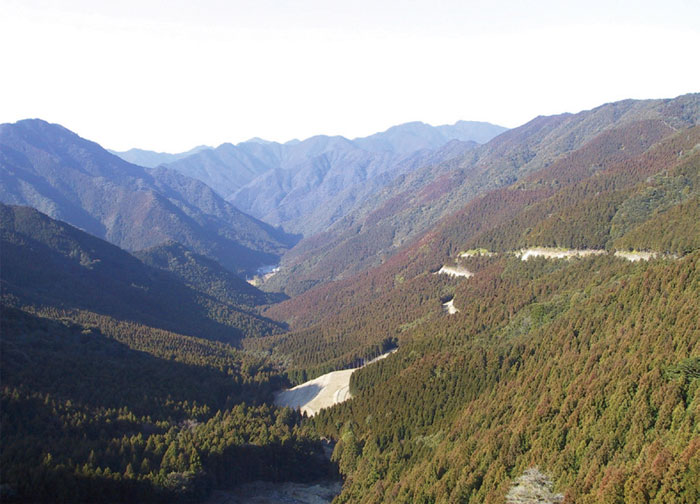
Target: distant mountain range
point(310, 197)
point(307, 185)
point(151, 159)
point(410, 137)
point(69, 178)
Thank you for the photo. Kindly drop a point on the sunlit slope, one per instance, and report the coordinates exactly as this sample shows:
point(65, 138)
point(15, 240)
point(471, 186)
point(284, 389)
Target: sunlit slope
point(413, 204)
point(587, 367)
point(607, 208)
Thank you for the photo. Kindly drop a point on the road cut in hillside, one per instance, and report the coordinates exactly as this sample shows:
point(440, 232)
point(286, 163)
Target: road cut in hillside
point(322, 392)
point(455, 271)
point(563, 253)
point(635, 256)
point(557, 253)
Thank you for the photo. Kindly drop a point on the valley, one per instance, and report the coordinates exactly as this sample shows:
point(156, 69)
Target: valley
point(262, 274)
point(430, 314)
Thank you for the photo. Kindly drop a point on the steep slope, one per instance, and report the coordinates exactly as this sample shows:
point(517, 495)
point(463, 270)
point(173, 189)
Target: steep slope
point(588, 367)
point(47, 263)
point(98, 410)
point(48, 167)
point(340, 322)
point(413, 203)
point(151, 159)
point(229, 167)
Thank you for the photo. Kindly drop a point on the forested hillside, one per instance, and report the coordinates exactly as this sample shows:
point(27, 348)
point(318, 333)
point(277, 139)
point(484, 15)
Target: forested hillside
point(49, 263)
point(98, 410)
point(205, 275)
point(585, 367)
point(543, 292)
point(112, 388)
point(414, 203)
point(586, 210)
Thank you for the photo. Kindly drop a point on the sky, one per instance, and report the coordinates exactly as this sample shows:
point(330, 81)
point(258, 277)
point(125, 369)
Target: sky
point(172, 74)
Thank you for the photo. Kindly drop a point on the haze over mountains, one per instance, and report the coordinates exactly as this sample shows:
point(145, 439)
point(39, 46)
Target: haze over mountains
point(52, 169)
point(306, 185)
point(571, 375)
point(151, 159)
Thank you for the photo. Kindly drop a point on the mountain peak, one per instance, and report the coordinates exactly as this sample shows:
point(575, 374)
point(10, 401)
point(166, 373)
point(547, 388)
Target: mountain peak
point(416, 135)
point(258, 140)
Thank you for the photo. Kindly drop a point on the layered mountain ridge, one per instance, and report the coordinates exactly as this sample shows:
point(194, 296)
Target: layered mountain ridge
point(52, 169)
point(307, 185)
point(541, 292)
point(412, 203)
point(582, 363)
point(151, 159)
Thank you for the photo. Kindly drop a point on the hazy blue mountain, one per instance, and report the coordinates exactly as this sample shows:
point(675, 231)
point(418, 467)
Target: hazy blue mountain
point(316, 193)
point(307, 185)
point(72, 179)
point(413, 136)
point(151, 159)
point(229, 167)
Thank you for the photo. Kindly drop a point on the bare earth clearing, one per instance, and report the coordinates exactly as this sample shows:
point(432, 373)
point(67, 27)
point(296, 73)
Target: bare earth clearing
point(450, 307)
point(322, 392)
point(636, 256)
point(525, 254)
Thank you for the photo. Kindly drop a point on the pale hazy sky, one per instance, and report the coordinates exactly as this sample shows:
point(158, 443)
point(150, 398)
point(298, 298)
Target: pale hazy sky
point(169, 75)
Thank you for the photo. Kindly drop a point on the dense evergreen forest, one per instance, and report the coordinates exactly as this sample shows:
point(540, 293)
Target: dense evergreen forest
point(586, 368)
point(150, 377)
point(103, 401)
point(618, 206)
point(99, 410)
